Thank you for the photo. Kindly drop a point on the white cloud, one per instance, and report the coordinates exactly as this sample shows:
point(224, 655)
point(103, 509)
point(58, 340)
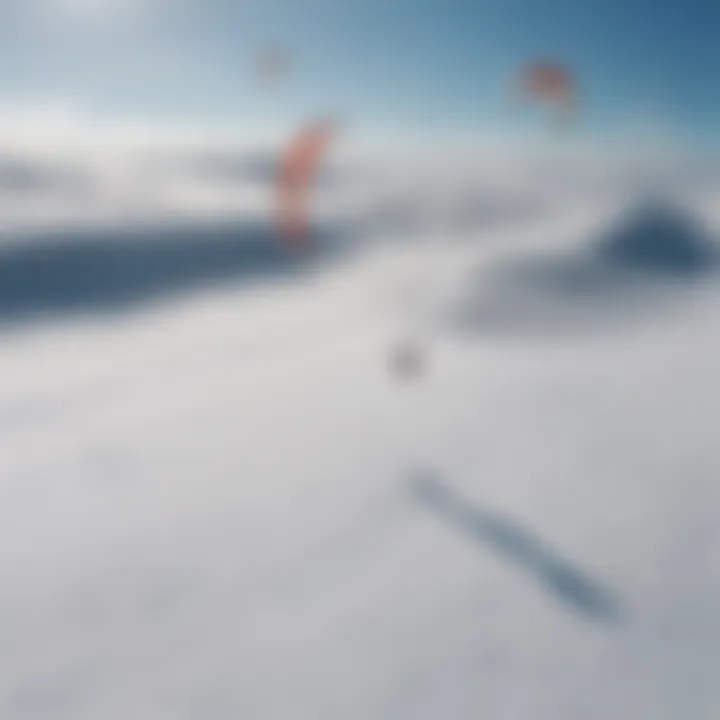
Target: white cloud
point(383, 172)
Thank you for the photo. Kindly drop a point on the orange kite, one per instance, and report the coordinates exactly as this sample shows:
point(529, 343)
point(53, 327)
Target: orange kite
point(551, 83)
point(298, 169)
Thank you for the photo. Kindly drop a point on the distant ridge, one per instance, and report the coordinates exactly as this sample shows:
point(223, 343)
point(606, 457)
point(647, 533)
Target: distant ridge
point(661, 237)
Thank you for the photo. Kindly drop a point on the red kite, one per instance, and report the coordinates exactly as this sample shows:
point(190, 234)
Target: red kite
point(298, 169)
point(551, 83)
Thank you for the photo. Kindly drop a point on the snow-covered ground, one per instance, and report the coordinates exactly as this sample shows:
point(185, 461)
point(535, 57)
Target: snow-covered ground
point(220, 502)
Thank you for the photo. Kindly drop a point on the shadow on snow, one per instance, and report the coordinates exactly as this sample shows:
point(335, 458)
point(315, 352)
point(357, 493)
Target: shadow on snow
point(90, 271)
point(563, 580)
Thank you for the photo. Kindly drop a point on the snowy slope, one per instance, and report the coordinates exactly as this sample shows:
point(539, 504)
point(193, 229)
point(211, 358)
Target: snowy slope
point(224, 506)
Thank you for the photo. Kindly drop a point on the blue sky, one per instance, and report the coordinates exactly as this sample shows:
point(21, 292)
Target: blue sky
point(440, 64)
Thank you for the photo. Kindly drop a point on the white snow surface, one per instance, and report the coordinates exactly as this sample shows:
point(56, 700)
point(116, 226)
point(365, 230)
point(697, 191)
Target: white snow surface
point(224, 505)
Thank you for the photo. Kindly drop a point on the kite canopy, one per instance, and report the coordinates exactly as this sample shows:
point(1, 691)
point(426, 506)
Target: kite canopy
point(547, 80)
point(298, 169)
point(272, 65)
point(549, 83)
